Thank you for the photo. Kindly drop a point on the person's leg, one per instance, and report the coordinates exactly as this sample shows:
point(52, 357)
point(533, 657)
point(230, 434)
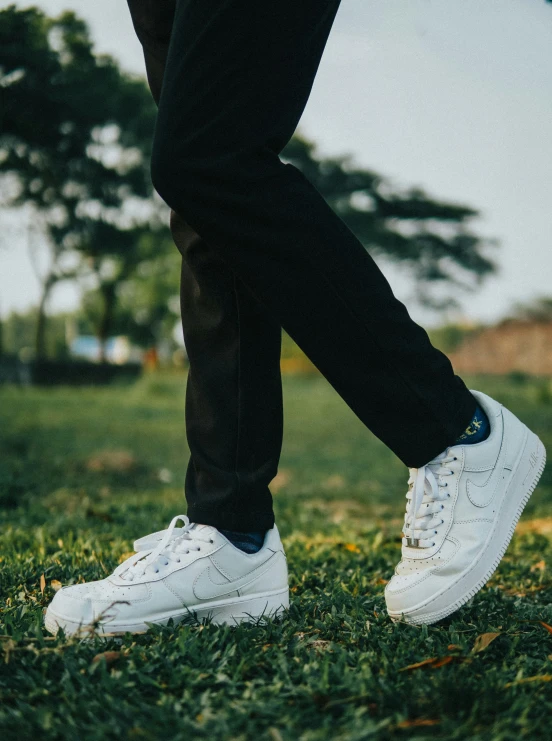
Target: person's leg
point(234, 418)
point(238, 75)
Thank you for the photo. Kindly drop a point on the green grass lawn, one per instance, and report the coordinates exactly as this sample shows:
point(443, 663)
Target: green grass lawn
point(84, 472)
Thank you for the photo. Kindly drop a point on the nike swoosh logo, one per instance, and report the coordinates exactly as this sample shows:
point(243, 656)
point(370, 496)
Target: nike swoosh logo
point(205, 588)
point(481, 495)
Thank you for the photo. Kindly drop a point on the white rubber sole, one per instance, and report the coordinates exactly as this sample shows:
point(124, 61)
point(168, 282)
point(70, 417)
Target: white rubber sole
point(523, 482)
point(246, 609)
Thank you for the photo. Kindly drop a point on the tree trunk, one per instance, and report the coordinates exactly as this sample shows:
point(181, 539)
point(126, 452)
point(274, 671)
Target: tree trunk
point(108, 292)
point(40, 335)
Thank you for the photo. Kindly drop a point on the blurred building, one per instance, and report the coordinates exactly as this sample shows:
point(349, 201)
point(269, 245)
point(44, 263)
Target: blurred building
point(118, 350)
point(512, 345)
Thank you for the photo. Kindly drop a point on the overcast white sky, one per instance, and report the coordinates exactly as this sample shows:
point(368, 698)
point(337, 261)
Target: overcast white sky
point(455, 97)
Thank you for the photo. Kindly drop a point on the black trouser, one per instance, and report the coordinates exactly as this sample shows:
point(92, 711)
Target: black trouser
point(262, 250)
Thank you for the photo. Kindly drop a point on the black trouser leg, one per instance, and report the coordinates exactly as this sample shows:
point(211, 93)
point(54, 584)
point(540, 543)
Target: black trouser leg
point(238, 75)
point(234, 412)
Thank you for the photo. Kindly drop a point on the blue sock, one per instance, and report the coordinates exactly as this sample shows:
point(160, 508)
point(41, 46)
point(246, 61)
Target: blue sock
point(247, 542)
point(477, 430)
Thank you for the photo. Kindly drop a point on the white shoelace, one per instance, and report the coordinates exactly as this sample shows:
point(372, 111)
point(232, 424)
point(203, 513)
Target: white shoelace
point(425, 498)
point(174, 542)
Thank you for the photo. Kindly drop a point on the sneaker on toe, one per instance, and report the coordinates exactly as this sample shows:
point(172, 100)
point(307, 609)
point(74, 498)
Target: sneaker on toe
point(178, 572)
point(462, 508)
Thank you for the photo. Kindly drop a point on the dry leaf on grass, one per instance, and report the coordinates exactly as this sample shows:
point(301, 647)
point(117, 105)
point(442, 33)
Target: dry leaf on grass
point(110, 657)
point(42, 584)
point(482, 641)
point(434, 662)
point(526, 680)
point(56, 585)
point(418, 722)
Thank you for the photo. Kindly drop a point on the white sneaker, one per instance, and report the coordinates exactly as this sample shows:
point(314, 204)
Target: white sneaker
point(461, 513)
point(175, 573)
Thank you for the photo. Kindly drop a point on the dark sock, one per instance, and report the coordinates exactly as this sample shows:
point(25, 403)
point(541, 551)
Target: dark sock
point(477, 430)
point(247, 542)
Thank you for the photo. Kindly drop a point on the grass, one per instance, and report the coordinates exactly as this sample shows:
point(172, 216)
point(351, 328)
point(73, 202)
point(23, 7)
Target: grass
point(84, 472)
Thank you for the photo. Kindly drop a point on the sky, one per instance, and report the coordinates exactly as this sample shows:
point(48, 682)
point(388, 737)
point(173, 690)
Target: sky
point(454, 97)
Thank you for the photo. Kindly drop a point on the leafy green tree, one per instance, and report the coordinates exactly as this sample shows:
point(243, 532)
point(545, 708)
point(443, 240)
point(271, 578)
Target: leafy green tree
point(20, 329)
point(74, 148)
point(138, 297)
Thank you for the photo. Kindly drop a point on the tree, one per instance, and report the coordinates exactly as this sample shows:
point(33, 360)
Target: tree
point(138, 290)
point(74, 147)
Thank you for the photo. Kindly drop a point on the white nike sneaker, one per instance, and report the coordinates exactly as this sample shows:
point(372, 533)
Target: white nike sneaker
point(461, 513)
point(178, 572)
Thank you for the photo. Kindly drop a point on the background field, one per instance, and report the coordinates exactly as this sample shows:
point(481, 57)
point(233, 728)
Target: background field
point(84, 472)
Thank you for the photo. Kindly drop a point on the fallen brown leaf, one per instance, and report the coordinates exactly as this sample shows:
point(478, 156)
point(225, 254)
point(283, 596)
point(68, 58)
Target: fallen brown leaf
point(425, 662)
point(42, 584)
point(482, 641)
point(442, 661)
point(110, 657)
point(435, 662)
point(546, 626)
point(56, 585)
point(525, 680)
point(418, 722)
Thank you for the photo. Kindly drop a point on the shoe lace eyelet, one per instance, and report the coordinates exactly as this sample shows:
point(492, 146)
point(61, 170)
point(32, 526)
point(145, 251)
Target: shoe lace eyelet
point(448, 495)
point(211, 541)
point(442, 521)
point(156, 571)
point(433, 544)
point(177, 560)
